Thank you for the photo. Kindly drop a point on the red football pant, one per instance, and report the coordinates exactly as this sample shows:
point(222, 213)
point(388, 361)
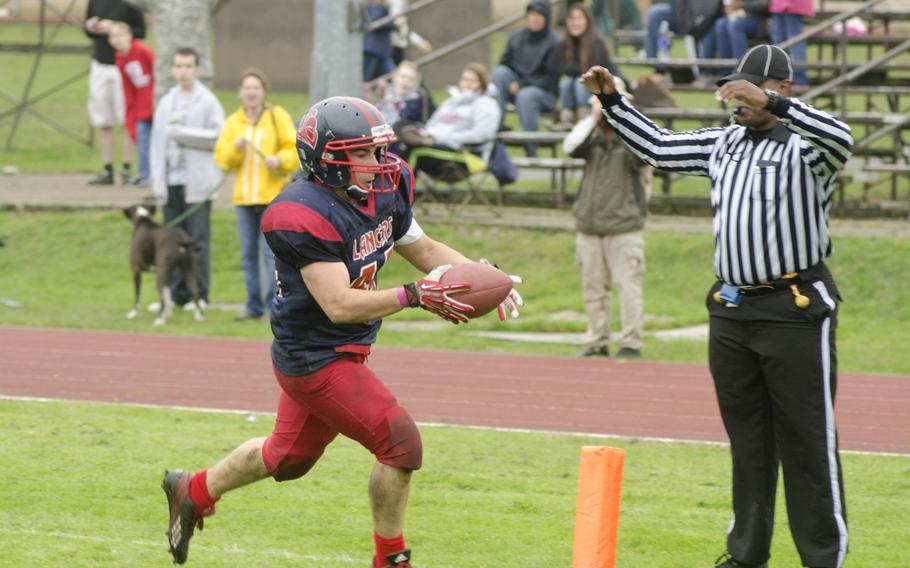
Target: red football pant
point(344, 397)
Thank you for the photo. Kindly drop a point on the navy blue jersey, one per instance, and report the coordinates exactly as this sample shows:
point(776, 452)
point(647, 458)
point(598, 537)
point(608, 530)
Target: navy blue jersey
point(308, 223)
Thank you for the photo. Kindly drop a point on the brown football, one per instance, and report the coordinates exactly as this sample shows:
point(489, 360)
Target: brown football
point(489, 286)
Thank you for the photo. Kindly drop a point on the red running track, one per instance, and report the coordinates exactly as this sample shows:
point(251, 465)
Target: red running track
point(621, 398)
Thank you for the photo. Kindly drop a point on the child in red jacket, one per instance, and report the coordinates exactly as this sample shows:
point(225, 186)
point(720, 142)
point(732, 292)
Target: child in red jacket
point(135, 61)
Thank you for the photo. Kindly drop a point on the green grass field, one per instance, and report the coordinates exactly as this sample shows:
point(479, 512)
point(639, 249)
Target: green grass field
point(70, 269)
point(81, 489)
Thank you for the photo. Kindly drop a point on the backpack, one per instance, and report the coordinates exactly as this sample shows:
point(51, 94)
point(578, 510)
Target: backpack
point(501, 165)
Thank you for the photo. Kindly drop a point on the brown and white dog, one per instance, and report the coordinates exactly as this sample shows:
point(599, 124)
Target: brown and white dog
point(161, 250)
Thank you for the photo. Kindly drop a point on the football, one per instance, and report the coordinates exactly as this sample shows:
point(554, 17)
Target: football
point(489, 286)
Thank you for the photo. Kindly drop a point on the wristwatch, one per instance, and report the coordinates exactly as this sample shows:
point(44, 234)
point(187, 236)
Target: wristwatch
point(773, 98)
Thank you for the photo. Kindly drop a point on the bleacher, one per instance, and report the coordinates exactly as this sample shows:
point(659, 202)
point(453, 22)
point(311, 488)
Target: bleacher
point(847, 73)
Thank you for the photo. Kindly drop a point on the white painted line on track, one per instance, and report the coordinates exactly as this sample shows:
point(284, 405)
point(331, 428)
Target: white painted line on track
point(430, 424)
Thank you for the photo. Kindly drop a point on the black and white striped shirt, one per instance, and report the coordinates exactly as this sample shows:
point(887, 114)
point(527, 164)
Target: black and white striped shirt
point(770, 192)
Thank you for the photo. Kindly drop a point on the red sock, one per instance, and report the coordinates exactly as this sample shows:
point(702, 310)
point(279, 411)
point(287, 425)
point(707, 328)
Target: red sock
point(199, 494)
point(385, 547)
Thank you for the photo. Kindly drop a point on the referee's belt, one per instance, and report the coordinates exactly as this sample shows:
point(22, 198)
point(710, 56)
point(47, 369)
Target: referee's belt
point(785, 282)
point(789, 281)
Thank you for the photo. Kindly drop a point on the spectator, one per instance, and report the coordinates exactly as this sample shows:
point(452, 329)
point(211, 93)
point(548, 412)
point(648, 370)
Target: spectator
point(683, 17)
point(135, 62)
point(629, 16)
point(582, 47)
point(185, 127)
point(404, 36)
point(405, 100)
point(258, 142)
point(105, 89)
point(743, 20)
point(528, 71)
point(467, 120)
point(787, 21)
point(377, 44)
point(610, 217)
point(181, 23)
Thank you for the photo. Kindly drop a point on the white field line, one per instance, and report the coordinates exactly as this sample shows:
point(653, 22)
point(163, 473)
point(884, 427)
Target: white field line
point(432, 424)
point(234, 549)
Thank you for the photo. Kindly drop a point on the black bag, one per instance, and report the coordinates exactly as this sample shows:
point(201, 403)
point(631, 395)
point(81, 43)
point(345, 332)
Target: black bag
point(697, 17)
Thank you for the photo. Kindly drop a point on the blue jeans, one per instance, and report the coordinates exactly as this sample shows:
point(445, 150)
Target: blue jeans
point(572, 94)
point(658, 13)
point(375, 65)
point(143, 135)
point(733, 37)
point(529, 101)
point(251, 242)
point(785, 26)
point(708, 46)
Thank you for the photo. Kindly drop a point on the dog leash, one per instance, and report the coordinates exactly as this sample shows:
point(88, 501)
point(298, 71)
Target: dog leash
point(194, 208)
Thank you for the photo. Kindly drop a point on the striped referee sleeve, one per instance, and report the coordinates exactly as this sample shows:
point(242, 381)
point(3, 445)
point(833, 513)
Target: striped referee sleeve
point(830, 139)
point(685, 152)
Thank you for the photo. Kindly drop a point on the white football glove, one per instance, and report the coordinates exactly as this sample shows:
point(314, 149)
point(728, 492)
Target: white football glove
point(513, 301)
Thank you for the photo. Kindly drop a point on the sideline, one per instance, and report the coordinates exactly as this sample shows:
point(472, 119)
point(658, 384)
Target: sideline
point(255, 414)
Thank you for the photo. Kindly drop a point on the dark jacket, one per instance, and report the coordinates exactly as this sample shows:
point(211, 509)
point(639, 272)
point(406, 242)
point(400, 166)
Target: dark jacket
point(572, 67)
point(534, 56)
point(612, 198)
point(116, 10)
point(378, 41)
point(759, 9)
point(756, 7)
point(697, 17)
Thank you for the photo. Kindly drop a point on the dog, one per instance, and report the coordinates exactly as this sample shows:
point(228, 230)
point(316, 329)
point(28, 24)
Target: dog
point(161, 250)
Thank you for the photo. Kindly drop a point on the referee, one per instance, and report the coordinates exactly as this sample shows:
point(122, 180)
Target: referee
point(773, 311)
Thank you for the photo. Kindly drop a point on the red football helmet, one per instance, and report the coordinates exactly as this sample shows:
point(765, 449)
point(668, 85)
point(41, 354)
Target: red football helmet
point(335, 126)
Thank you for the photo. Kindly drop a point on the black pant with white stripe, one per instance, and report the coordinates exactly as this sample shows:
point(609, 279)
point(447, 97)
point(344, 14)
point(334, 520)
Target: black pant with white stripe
point(774, 369)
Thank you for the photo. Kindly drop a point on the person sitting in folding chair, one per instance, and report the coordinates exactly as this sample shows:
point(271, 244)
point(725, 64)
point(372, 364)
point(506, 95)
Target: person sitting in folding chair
point(459, 137)
point(405, 101)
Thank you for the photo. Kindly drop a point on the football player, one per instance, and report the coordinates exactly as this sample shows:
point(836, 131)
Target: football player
point(331, 234)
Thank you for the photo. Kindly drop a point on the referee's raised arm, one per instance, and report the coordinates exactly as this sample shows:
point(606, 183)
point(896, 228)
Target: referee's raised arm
point(685, 152)
point(829, 137)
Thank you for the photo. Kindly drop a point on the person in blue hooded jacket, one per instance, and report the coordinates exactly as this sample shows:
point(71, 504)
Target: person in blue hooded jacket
point(528, 71)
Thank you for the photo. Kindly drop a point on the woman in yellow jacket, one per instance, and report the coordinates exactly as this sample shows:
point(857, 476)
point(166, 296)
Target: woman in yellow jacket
point(258, 142)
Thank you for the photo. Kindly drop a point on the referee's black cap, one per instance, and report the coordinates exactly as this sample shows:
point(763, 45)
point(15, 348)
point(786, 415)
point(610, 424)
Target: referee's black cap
point(761, 63)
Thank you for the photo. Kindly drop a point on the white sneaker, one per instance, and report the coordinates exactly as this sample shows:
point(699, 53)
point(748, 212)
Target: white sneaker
point(190, 306)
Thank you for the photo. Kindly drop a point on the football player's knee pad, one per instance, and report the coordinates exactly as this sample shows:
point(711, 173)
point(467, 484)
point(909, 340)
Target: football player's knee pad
point(403, 448)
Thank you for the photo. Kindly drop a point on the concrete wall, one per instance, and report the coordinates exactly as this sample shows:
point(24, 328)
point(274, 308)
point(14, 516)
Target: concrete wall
point(447, 21)
point(280, 39)
point(277, 40)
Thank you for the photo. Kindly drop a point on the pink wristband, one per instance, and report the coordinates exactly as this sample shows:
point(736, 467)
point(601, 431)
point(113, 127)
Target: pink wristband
point(402, 297)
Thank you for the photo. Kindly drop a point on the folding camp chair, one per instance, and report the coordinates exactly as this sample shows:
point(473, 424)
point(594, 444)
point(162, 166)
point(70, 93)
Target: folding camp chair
point(437, 167)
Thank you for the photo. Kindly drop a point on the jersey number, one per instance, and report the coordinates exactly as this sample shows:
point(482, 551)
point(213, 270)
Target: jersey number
point(367, 278)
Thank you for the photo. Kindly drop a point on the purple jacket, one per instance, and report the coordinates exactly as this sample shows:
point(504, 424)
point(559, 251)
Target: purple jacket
point(801, 7)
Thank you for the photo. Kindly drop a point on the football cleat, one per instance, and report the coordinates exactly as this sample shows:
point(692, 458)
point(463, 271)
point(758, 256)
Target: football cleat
point(399, 559)
point(183, 517)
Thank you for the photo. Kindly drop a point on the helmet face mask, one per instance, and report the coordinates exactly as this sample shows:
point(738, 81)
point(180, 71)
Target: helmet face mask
point(335, 127)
